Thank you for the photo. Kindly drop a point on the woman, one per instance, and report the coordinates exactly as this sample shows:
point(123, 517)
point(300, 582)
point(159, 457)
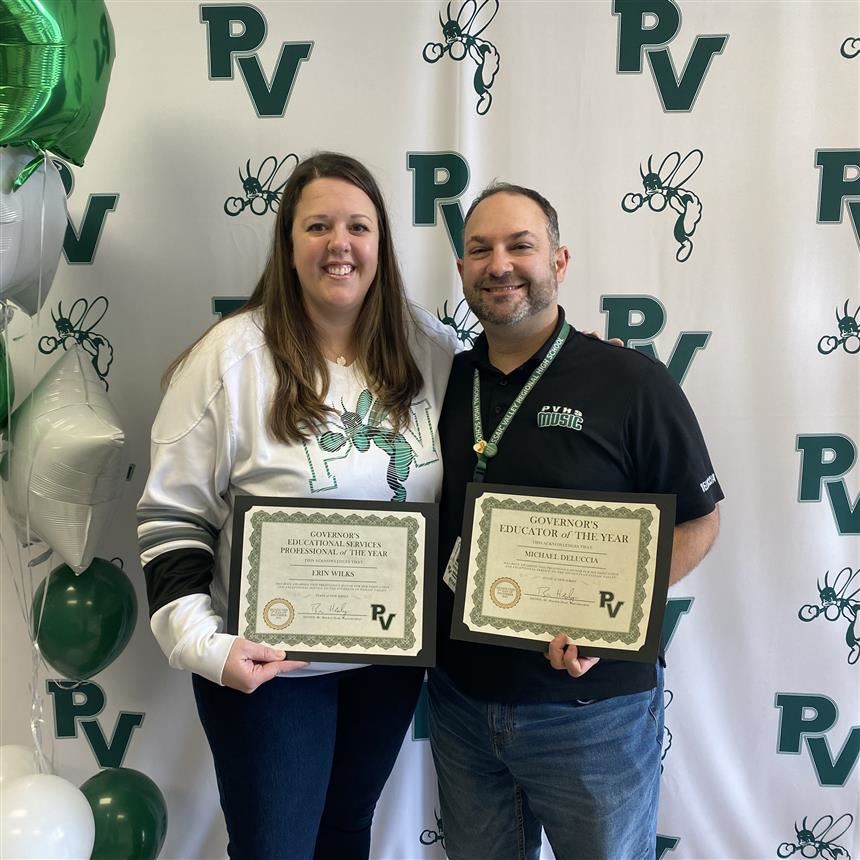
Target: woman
point(300, 759)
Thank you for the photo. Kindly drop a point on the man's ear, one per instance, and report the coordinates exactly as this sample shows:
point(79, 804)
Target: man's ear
point(561, 258)
point(460, 268)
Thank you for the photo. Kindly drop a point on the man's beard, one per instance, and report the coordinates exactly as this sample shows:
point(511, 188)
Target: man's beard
point(538, 296)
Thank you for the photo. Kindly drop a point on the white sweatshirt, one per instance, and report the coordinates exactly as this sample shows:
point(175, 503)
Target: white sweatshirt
point(210, 441)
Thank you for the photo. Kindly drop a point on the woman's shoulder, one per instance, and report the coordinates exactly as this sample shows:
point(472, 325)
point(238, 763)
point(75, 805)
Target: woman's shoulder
point(236, 334)
point(222, 363)
point(428, 328)
point(226, 344)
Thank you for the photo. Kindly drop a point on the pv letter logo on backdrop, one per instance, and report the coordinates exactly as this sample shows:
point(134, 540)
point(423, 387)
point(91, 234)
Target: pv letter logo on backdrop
point(839, 181)
point(637, 320)
point(678, 94)
point(824, 460)
point(79, 246)
point(270, 98)
point(809, 717)
point(439, 180)
point(80, 704)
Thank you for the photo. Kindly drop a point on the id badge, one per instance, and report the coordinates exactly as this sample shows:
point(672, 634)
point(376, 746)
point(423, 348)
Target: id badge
point(450, 575)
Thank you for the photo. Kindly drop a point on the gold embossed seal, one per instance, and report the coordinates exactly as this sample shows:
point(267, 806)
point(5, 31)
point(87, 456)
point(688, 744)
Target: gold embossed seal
point(505, 592)
point(278, 613)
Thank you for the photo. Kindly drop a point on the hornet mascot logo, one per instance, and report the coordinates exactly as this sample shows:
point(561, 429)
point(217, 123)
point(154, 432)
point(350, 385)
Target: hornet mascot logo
point(260, 197)
point(819, 840)
point(77, 327)
point(431, 837)
point(461, 33)
point(354, 434)
point(850, 48)
point(849, 333)
point(466, 334)
point(835, 602)
point(665, 186)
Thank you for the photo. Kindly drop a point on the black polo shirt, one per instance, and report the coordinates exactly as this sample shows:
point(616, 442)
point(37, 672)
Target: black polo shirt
point(635, 432)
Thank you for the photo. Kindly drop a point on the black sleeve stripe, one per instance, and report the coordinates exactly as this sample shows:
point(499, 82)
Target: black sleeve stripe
point(177, 574)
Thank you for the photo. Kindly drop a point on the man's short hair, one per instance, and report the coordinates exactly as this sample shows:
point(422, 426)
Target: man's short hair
point(508, 188)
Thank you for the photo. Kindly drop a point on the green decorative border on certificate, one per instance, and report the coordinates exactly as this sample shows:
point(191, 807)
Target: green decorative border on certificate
point(633, 633)
point(259, 518)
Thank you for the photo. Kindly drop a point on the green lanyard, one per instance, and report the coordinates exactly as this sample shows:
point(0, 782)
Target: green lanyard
point(489, 448)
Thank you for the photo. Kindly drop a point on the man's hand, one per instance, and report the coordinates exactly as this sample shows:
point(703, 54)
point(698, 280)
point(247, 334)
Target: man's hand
point(564, 656)
point(250, 664)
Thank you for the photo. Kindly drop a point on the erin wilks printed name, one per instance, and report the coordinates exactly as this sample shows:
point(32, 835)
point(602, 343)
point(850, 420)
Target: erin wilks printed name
point(565, 528)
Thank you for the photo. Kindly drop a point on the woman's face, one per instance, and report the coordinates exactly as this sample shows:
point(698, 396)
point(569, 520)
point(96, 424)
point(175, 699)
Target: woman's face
point(335, 237)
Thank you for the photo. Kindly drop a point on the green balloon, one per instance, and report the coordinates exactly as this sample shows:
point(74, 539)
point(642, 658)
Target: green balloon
point(87, 620)
point(55, 64)
point(130, 814)
point(7, 385)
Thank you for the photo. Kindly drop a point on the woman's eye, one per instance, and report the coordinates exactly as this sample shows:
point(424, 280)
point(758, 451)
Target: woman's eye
point(360, 228)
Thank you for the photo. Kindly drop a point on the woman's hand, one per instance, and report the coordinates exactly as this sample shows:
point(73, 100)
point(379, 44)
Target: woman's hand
point(615, 341)
point(250, 664)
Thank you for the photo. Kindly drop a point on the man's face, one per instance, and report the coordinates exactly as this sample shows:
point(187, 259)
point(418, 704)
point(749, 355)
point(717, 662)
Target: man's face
point(509, 270)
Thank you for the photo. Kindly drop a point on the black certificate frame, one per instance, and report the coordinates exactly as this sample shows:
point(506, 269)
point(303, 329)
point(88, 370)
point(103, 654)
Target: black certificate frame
point(428, 511)
point(650, 649)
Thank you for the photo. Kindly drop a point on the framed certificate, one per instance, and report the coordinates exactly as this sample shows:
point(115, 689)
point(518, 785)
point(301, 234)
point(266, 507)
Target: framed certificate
point(536, 562)
point(338, 581)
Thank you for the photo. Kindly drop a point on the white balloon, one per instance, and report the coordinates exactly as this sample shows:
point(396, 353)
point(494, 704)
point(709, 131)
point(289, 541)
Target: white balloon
point(44, 817)
point(32, 228)
point(65, 467)
point(16, 761)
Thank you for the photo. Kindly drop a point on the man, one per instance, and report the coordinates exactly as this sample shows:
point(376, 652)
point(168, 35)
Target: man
point(565, 741)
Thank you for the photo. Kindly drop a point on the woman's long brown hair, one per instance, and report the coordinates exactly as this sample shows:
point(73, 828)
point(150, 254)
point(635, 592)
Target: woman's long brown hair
point(380, 335)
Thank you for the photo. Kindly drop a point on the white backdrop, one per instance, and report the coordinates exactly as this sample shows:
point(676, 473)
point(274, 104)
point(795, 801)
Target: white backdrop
point(764, 707)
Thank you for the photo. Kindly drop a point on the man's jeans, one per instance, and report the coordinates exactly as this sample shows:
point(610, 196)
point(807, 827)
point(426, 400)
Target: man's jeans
point(589, 773)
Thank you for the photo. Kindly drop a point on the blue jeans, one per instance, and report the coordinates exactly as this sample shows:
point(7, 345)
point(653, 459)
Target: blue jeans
point(301, 762)
point(588, 773)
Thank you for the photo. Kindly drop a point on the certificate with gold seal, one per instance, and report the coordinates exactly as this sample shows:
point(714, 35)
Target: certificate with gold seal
point(338, 581)
point(536, 562)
